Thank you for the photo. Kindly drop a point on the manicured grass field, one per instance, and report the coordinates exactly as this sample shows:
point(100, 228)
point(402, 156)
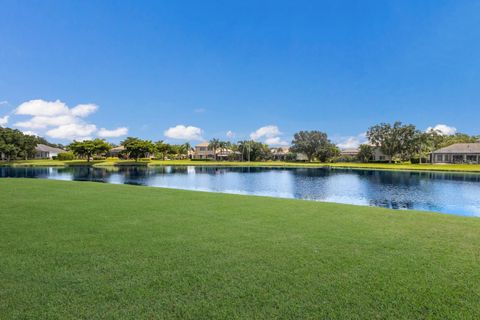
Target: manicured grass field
point(91, 250)
point(376, 166)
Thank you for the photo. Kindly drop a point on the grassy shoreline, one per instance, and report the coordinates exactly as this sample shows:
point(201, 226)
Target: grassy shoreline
point(90, 250)
point(472, 168)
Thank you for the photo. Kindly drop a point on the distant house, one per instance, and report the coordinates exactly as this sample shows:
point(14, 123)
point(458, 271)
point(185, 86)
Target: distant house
point(379, 156)
point(116, 152)
point(203, 151)
point(350, 152)
point(280, 153)
point(43, 151)
point(457, 153)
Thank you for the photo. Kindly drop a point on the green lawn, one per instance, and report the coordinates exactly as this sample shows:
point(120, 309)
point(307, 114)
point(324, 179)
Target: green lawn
point(379, 166)
point(92, 250)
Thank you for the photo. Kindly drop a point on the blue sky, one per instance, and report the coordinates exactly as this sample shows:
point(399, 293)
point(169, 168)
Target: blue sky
point(204, 68)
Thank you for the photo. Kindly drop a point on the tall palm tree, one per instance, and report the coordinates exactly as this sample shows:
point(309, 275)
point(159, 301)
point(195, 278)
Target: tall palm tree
point(214, 144)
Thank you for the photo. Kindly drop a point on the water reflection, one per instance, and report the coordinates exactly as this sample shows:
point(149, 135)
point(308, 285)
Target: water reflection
point(455, 193)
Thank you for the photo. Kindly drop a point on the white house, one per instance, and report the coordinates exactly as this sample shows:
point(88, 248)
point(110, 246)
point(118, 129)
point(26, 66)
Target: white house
point(43, 151)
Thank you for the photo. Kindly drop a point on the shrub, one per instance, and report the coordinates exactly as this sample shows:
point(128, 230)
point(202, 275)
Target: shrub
point(64, 156)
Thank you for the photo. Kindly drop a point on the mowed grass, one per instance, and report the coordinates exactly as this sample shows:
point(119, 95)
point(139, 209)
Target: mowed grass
point(90, 250)
point(282, 164)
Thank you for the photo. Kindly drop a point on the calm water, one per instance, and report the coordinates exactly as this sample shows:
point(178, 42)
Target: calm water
point(454, 193)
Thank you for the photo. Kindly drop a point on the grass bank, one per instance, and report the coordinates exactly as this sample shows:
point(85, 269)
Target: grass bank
point(281, 164)
point(91, 250)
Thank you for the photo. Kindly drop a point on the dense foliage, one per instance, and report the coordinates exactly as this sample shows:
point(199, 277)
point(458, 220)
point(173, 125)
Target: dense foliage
point(314, 144)
point(89, 148)
point(16, 145)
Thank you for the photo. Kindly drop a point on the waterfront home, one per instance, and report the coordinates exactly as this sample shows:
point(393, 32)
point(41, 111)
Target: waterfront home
point(280, 153)
point(203, 151)
point(349, 152)
point(43, 151)
point(117, 152)
point(379, 156)
point(457, 153)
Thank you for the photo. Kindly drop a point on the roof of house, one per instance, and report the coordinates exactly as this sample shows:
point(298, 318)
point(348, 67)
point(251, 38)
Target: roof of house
point(460, 148)
point(350, 150)
point(280, 150)
point(117, 149)
point(44, 148)
point(203, 144)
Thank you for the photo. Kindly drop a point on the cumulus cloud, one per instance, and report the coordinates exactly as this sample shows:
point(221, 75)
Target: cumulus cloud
point(115, 133)
point(40, 107)
point(3, 121)
point(269, 134)
point(351, 142)
point(83, 110)
point(443, 129)
point(276, 141)
point(182, 132)
point(73, 131)
point(230, 134)
point(58, 121)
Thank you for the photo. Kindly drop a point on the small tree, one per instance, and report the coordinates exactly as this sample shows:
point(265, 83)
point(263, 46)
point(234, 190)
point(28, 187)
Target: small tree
point(89, 148)
point(365, 153)
point(138, 148)
point(214, 144)
point(311, 143)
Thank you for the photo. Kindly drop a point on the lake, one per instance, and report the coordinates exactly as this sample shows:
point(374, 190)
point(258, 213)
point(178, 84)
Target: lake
point(454, 193)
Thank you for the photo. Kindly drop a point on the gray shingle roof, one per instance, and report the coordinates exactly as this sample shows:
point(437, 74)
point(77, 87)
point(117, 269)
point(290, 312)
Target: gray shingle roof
point(45, 148)
point(460, 148)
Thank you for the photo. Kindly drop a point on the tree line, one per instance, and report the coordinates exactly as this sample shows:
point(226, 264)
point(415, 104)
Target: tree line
point(399, 142)
point(15, 145)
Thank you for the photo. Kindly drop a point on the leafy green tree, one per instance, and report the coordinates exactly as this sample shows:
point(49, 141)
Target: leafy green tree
point(137, 148)
point(312, 144)
point(162, 148)
point(89, 148)
point(253, 151)
point(395, 140)
point(365, 153)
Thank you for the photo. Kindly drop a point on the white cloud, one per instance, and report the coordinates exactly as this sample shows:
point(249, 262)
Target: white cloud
point(115, 133)
point(42, 108)
point(270, 135)
point(73, 131)
point(3, 103)
point(351, 141)
point(230, 134)
point(199, 110)
point(83, 110)
point(3, 121)
point(41, 122)
point(265, 132)
point(182, 132)
point(443, 129)
point(276, 141)
point(61, 122)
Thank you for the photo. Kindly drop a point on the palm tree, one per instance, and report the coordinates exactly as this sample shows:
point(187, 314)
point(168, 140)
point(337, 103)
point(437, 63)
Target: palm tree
point(214, 144)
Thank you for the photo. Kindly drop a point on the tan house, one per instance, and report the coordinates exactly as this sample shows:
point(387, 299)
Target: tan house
point(280, 153)
point(349, 152)
point(203, 151)
point(457, 153)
